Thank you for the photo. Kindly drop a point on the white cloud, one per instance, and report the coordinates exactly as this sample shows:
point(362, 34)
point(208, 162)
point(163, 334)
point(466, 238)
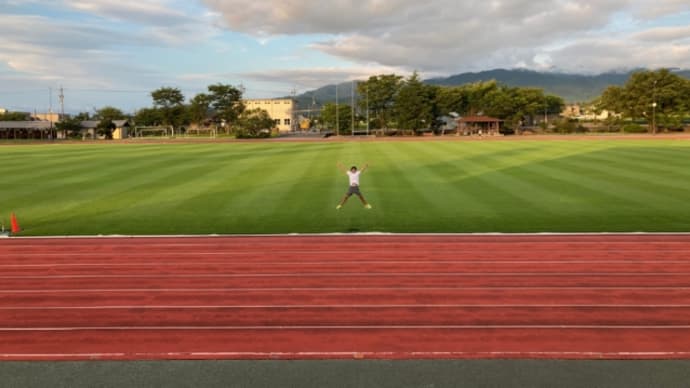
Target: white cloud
point(53, 50)
point(611, 54)
point(663, 34)
point(94, 47)
point(142, 44)
point(86, 47)
point(649, 10)
point(317, 77)
point(167, 21)
point(452, 36)
point(149, 12)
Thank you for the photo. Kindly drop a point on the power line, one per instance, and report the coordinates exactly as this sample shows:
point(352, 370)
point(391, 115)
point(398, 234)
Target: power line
point(23, 91)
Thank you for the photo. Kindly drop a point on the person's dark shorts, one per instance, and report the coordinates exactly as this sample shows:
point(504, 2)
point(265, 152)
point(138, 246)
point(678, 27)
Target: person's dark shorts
point(353, 190)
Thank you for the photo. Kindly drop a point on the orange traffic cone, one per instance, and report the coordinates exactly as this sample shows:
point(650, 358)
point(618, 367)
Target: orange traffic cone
point(15, 224)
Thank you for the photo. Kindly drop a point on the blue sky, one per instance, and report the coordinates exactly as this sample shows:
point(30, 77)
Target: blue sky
point(115, 53)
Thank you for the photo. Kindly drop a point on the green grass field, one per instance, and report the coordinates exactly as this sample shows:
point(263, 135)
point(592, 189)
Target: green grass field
point(229, 188)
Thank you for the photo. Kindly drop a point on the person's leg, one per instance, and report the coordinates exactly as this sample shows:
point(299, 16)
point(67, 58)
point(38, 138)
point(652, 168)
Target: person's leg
point(364, 201)
point(342, 202)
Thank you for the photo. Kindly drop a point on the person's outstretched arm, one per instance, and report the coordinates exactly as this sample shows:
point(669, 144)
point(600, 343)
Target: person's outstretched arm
point(366, 165)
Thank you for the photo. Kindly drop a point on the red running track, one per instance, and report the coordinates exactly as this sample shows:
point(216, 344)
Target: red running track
point(332, 297)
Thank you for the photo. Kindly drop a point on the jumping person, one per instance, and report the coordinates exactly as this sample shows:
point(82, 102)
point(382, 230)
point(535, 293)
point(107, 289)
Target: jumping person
point(353, 174)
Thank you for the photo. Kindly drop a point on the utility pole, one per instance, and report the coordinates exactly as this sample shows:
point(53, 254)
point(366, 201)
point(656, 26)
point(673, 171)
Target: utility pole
point(62, 103)
point(337, 118)
point(352, 108)
point(50, 111)
point(293, 117)
point(654, 108)
point(367, 109)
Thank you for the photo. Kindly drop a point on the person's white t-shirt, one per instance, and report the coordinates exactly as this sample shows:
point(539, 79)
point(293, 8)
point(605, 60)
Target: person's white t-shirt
point(354, 177)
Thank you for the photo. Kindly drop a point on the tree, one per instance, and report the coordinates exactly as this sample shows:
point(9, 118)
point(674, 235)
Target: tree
point(107, 115)
point(199, 108)
point(343, 123)
point(167, 97)
point(660, 97)
point(452, 99)
point(554, 104)
point(378, 95)
point(226, 102)
point(149, 117)
point(105, 128)
point(476, 96)
point(170, 103)
point(503, 103)
point(254, 123)
point(71, 126)
point(414, 105)
point(14, 116)
point(83, 116)
point(517, 106)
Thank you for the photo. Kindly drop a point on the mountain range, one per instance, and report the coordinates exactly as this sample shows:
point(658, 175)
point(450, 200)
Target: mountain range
point(570, 87)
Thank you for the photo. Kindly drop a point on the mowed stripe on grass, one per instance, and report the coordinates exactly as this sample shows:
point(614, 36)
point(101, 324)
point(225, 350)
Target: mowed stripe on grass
point(230, 188)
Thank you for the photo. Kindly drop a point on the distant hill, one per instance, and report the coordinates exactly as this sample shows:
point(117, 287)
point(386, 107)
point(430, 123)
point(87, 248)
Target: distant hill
point(315, 99)
point(570, 87)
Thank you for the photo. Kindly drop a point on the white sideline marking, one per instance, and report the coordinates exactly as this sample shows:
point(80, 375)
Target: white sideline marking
point(565, 234)
point(300, 289)
point(342, 327)
point(353, 354)
point(337, 262)
point(330, 306)
point(349, 274)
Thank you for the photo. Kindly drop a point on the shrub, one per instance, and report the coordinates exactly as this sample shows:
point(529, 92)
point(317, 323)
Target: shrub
point(634, 128)
point(244, 134)
point(569, 126)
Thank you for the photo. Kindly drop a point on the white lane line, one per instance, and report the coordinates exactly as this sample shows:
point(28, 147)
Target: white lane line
point(355, 354)
point(343, 327)
point(296, 236)
point(348, 275)
point(350, 289)
point(337, 262)
point(355, 306)
point(428, 250)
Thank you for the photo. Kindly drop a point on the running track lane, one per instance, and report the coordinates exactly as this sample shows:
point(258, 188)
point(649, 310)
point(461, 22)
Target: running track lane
point(338, 297)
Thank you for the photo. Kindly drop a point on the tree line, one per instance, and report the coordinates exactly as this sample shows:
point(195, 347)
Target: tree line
point(650, 101)
point(394, 102)
point(221, 107)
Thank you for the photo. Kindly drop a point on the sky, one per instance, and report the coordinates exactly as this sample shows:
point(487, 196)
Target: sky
point(114, 53)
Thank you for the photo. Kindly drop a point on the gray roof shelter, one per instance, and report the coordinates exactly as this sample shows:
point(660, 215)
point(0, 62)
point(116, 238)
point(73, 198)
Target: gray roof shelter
point(26, 129)
point(92, 124)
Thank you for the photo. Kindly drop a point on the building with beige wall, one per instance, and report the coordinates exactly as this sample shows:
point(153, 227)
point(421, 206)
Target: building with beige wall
point(282, 111)
point(120, 128)
point(52, 117)
point(590, 113)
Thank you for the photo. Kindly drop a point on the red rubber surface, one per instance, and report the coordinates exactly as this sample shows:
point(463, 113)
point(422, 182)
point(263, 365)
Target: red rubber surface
point(330, 297)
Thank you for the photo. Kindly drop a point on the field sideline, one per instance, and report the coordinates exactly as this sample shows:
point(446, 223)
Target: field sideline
point(574, 185)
